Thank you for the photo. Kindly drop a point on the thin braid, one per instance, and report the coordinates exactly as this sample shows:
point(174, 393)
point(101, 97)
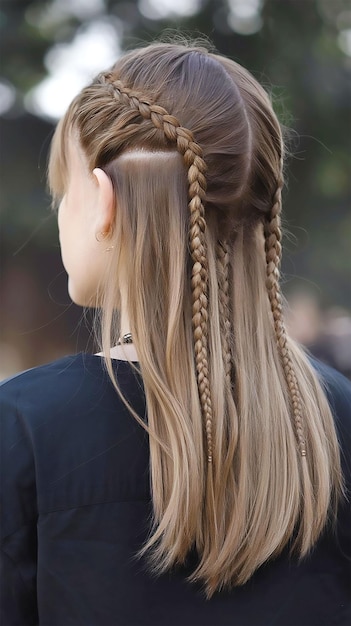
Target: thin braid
point(273, 247)
point(222, 257)
point(192, 155)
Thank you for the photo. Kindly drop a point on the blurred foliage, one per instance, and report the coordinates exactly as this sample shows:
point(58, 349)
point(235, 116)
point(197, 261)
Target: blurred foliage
point(295, 54)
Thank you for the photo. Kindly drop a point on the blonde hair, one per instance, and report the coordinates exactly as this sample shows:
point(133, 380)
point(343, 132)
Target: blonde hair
point(244, 456)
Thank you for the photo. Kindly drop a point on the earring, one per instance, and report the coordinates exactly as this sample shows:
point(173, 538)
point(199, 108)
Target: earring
point(101, 234)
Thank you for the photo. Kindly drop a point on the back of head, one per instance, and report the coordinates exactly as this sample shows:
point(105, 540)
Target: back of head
point(240, 460)
point(215, 99)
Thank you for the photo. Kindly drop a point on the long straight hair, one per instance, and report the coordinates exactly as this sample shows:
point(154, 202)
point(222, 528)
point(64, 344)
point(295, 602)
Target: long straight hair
point(244, 457)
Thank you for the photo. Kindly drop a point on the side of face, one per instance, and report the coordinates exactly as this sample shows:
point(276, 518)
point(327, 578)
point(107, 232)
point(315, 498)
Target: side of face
point(85, 215)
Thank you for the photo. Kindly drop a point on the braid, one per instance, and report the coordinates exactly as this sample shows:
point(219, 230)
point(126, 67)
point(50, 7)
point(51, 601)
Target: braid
point(223, 303)
point(273, 247)
point(192, 155)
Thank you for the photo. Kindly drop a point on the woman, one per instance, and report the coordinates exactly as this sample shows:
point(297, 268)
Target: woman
point(190, 472)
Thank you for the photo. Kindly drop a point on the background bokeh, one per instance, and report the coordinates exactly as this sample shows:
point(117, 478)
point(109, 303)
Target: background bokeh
point(299, 49)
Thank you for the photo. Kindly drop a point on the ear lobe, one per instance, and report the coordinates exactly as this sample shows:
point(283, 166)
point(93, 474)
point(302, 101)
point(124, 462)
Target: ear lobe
point(106, 201)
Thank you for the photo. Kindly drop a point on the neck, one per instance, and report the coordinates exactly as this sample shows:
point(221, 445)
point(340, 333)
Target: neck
point(123, 352)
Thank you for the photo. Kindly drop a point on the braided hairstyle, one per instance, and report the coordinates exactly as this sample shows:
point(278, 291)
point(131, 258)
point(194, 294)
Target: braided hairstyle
point(223, 266)
point(232, 402)
point(273, 248)
point(196, 167)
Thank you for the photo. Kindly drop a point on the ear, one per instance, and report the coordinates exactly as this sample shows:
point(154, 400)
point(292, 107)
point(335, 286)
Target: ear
point(106, 201)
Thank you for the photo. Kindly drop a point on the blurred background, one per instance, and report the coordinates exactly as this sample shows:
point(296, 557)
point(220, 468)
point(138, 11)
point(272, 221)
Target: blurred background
point(299, 49)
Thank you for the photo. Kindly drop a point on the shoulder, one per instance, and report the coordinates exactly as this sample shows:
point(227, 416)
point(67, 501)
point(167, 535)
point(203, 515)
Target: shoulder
point(338, 391)
point(37, 387)
point(65, 391)
point(60, 369)
point(33, 394)
point(47, 385)
point(66, 420)
point(39, 377)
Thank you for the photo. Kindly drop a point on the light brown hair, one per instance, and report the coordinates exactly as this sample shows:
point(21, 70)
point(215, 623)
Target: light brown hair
point(244, 457)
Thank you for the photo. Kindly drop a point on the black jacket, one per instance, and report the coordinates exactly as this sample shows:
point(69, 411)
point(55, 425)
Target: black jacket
point(76, 508)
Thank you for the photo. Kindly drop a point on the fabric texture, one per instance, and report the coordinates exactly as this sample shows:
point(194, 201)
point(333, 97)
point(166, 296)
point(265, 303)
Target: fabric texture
point(76, 507)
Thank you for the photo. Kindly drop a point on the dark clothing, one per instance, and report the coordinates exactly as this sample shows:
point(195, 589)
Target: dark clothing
point(76, 508)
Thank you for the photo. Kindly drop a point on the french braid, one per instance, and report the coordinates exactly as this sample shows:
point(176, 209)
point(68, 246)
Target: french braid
point(222, 257)
point(273, 248)
point(192, 155)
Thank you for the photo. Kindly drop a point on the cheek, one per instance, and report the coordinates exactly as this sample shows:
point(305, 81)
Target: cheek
point(66, 229)
point(81, 257)
point(83, 280)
